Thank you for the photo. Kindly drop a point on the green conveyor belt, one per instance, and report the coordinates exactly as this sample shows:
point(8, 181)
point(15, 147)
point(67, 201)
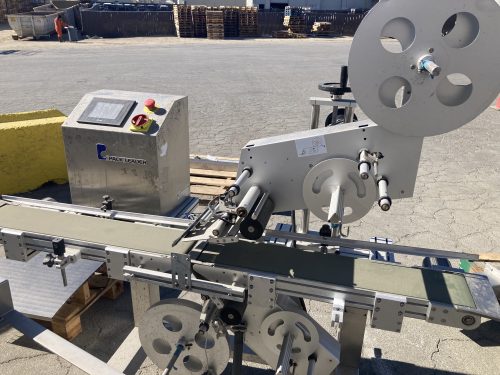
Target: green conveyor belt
point(449, 288)
point(108, 232)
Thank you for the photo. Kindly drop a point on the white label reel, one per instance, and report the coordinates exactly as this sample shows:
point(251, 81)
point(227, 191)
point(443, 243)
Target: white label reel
point(442, 73)
point(335, 185)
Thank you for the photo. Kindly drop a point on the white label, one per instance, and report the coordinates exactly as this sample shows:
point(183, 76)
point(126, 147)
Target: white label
point(163, 150)
point(311, 146)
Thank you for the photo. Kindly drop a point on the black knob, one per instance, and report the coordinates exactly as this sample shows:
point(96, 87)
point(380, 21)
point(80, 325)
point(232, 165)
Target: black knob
point(344, 76)
point(325, 231)
point(48, 260)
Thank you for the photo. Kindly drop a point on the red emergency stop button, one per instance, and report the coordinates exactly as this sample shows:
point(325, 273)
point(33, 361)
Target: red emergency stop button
point(150, 104)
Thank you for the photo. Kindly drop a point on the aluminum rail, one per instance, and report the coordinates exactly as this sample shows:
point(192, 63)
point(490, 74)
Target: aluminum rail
point(228, 292)
point(356, 244)
point(110, 214)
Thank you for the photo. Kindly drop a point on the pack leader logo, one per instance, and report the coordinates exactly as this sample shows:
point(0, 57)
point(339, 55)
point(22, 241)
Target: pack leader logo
point(103, 155)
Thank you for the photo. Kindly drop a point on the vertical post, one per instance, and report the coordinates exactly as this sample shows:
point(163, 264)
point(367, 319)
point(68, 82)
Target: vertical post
point(315, 116)
point(351, 338)
point(239, 336)
point(304, 226)
point(349, 114)
point(143, 296)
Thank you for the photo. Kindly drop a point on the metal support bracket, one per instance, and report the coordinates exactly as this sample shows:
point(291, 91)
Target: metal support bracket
point(338, 309)
point(181, 271)
point(261, 291)
point(388, 312)
point(443, 314)
point(116, 259)
point(14, 245)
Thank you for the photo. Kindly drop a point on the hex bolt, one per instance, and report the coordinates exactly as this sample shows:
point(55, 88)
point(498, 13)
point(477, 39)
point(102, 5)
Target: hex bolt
point(377, 309)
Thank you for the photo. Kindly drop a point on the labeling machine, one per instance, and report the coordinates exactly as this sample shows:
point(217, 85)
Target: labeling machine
point(252, 279)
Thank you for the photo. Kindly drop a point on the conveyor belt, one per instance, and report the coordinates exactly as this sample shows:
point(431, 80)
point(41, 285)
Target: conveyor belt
point(108, 232)
point(448, 288)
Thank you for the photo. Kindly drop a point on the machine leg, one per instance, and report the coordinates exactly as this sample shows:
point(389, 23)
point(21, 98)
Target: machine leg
point(143, 296)
point(351, 338)
point(315, 116)
point(304, 226)
point(239, 336)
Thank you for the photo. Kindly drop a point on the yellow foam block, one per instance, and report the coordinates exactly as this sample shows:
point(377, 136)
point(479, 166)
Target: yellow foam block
point(31, 150)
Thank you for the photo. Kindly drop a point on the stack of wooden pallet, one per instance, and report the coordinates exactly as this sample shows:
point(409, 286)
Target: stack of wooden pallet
point(199, 14)
point(248, 21)
point(231, 21)
point(215, 24)
point(183, 20)
point(296, 24)
point(13, 7)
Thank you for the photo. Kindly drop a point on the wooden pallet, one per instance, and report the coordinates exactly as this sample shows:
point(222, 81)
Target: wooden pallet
point(231, 21)
point(287, 34)
point(325, 34)
point(211, 179)
point(67, 321)
point(183, 20)
point(199, 14)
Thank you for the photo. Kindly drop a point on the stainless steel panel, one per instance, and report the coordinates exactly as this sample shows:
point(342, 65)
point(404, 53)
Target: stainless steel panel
point(279, 169)
point(155, 184)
